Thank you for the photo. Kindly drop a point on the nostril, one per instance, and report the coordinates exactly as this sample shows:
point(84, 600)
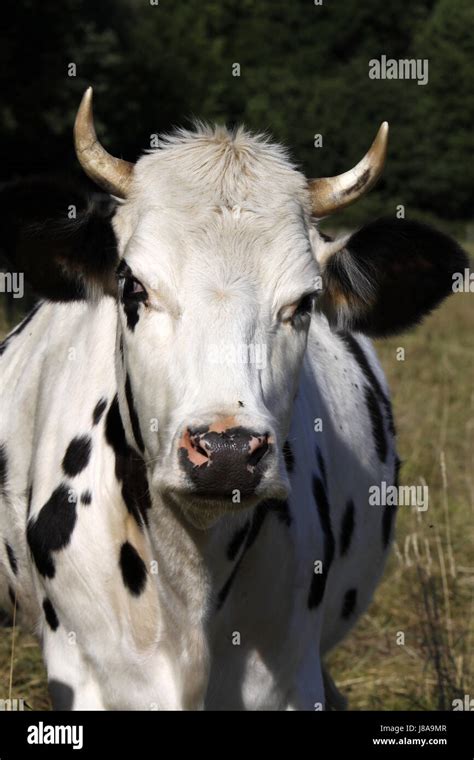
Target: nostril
point(197, 453)
point(198, 443)
point(258, 448)
point(199, 448)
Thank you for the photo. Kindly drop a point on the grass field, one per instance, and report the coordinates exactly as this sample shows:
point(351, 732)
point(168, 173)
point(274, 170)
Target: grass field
point(428, 589)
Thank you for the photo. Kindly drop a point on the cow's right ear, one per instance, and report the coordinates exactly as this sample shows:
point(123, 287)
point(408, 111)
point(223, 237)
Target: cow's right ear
point(387, 276)
point(61, 240)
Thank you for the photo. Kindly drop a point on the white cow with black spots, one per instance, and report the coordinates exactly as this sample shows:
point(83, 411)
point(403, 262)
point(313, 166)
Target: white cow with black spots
point(192, 419)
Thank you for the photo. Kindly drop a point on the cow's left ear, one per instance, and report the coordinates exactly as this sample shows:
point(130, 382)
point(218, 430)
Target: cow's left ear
point(387, 276)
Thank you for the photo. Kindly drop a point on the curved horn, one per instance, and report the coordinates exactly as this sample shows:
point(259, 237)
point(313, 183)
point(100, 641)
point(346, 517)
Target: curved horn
point(110, 173)
point(330, 194)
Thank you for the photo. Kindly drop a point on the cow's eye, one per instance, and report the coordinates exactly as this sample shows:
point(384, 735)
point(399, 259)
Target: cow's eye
point(299, 309)
point(133, 289)
point(305, 304)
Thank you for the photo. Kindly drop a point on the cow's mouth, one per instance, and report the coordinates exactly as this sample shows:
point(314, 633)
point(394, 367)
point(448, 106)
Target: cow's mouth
point(202, 508)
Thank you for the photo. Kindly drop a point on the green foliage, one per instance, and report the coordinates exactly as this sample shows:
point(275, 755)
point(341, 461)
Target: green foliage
point(303, 71)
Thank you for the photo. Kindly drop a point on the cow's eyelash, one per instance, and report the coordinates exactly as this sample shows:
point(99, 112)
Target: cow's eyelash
point(123, 270)
point(298, 309)
point(130, 287)
point(305, 304)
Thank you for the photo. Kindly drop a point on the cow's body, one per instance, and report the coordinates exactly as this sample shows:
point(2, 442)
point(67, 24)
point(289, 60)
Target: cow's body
point(154, 534)
point(265, 630)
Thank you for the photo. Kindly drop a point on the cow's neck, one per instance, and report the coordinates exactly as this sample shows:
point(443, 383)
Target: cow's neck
point(195, 561)
point(192, 569)
point(183, 587)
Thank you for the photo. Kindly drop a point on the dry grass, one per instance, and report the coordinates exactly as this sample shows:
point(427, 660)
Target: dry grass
point(29, 675)
point(427, 591)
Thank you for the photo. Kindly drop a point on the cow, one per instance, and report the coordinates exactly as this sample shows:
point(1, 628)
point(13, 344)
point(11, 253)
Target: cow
point(192, 417)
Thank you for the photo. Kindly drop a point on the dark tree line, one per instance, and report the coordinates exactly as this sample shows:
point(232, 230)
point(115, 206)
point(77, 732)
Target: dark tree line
point(303, 71)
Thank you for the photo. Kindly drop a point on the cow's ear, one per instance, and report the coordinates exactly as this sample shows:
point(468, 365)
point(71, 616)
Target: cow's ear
point(387, 276)
point(59, 238)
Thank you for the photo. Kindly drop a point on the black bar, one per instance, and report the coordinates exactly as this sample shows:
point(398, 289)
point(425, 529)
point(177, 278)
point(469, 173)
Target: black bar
point(319, 735)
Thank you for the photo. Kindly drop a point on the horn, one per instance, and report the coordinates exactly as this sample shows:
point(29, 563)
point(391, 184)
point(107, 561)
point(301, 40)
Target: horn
point(111, 174)
point(330, 194)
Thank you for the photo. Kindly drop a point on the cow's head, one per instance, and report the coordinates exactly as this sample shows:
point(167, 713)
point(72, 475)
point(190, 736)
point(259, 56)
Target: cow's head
point(216, 274)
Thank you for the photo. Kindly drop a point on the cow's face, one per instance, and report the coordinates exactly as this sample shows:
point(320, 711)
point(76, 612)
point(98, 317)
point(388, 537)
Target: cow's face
point(216, 285)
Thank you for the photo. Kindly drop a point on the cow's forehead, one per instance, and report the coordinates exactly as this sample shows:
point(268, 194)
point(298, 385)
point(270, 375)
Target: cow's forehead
point(215, 194)
point(228, 249)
